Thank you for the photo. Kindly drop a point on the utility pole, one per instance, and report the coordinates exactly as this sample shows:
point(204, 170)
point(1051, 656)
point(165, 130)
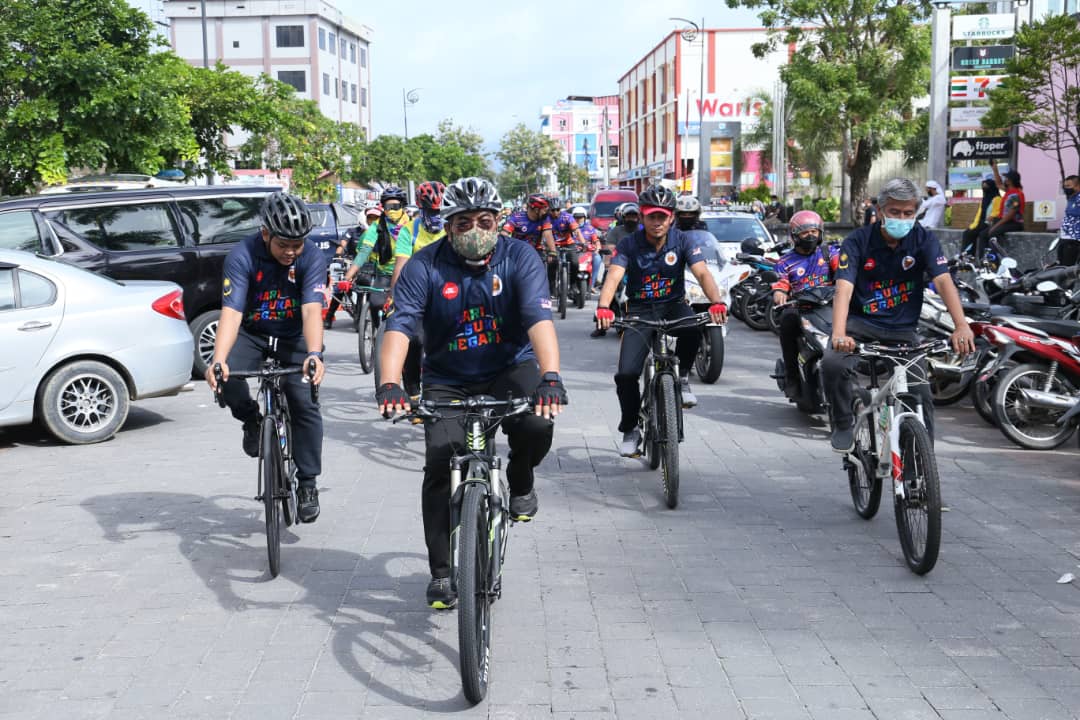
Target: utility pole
point(937, 154)
point(205, 50)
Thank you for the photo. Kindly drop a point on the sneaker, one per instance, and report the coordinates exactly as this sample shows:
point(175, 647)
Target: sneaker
point(598, 333)
point(630, 442)
point(843, 440)
point(689, 399)
point(327, 324)
point(523, 507)
point(440, 595)
point(307, 503)
point(251, 436)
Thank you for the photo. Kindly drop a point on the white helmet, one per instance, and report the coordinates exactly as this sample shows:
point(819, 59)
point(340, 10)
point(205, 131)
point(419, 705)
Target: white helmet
point(687, 204)
point(579, 210)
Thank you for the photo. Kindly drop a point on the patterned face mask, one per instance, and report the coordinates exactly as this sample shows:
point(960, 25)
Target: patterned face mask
point(474, 244)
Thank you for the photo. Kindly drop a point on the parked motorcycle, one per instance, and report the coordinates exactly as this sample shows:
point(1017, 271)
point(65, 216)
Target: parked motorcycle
point(815, 309)
point(710, 358)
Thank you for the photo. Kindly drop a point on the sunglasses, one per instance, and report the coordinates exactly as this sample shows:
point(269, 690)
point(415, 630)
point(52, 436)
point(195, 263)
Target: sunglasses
point(461, 225)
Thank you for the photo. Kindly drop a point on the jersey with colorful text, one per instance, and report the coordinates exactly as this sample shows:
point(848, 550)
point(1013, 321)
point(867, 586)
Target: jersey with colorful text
point(657, 275)
point(801, 272)
point(563, 228)
point(592, 241)
point(519, 226)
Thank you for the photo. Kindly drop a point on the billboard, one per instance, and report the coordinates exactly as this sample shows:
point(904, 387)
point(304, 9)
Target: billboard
point(983, 27)
point(973, 87)
point(980, 148)
point(967, 118)
point(982, 58)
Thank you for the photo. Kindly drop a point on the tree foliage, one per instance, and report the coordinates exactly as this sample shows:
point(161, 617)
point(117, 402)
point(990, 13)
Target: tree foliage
point(856, 68)
point(526, 155)
point(574, 179)
point(454, 153)
point(1041, 94)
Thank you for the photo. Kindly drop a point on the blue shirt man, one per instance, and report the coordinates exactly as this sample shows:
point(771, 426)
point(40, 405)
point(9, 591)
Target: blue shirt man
point(657, 274)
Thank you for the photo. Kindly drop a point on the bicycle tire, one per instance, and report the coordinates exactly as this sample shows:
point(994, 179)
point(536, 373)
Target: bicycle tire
point(365, 338)
point(474, 601)
point(563, 290)
point(863, 481)
point(582, 293)
point(288, 500)
point(668, 406)
point(648, 424)
point(270, 481)
point(916, 452)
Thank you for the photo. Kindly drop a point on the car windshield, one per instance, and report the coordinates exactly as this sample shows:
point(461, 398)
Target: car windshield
point(319, 215)
point(607, 208)
point(736, 229)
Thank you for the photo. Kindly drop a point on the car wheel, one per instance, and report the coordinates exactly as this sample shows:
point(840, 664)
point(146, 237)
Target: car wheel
point(204, 331)
point(84, 402)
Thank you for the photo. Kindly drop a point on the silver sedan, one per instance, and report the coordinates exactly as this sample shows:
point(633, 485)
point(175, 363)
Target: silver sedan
point(76, 348)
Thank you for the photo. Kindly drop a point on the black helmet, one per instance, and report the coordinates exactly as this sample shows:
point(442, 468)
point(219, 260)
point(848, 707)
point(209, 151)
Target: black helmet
point(657, 196)
point(393, 192)
point(751, 246)
point(286, 216)
point(468, 195)
point(554, 203)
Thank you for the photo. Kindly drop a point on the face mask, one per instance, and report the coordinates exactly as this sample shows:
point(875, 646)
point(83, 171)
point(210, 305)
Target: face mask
point(433, 222)
point(474, 244)
point(395, 215)
point(1069, 192)
point(898, 228)
point(806, 244)
point(631, 223)
point(686, 223)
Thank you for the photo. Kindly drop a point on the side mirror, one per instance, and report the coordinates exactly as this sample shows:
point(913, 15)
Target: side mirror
point(1047, 286)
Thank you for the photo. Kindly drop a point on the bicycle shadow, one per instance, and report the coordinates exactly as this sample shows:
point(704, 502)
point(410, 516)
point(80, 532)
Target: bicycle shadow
point(378, 627)
point(350, 416)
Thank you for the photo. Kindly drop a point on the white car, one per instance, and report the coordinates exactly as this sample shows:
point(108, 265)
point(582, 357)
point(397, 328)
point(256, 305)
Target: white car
point(76, 348)
point(731, 228)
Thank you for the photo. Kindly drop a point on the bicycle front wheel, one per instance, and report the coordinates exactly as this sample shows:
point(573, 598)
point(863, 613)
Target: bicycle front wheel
point(365, 337)
point(474, 600)
point(918, 513)
point(668, 423)
point(270, 480)
point(563, 290)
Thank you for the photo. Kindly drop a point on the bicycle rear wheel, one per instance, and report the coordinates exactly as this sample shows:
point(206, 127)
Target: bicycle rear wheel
point(862, 472)
point(270, 481)
point(365, 337)
point(668, 424)
point(918, 513)
point(563, 289)
point(474, 600)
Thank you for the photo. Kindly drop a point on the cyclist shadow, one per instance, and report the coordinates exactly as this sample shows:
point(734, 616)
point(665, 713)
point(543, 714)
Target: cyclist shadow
point(380, 634)
point(350, 416)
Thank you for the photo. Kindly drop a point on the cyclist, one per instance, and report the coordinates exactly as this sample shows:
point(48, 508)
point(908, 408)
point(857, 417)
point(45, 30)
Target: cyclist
point(479, 303)
point(654, 261)
point(810, 265)
point(880, 280)
point(532, 225)
point(271, 305)
point(627, 220)
point(567, 234)
point(592, 242)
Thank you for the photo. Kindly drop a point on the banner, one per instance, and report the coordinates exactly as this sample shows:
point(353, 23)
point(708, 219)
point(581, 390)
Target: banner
point(982, 58)
point(980, 148)
point(974, 87)
point(967, 118)
point(983, 27)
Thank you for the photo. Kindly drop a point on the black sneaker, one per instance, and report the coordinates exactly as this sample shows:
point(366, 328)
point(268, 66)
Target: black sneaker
point(843, 440)
point(251, 436)
point(327, 324)
point(523, 507)
point(440, 595)
point(307, 503)
point(598, 333)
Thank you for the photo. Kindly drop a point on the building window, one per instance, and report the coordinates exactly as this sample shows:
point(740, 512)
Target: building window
point(236, 43)
point(344, 47)
point(333, 43)
point(290, 36)
point(363, 97)
point(344, 90)
point(296, 78)
point(335, 88)
point(352, 94)
point(562, 124)
point(325, 84)
point(322, 38)
point(352, 53)
point(363, 57)
point(585, 122)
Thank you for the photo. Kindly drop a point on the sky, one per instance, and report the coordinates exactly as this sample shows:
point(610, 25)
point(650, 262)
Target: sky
point(490, 65)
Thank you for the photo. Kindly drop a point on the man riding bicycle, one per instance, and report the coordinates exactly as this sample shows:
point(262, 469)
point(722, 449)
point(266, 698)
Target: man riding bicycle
point(271, 306)
point(532, 225)
point(880, 281)
point(567, 236)
point(478, 302)
point(654, 261)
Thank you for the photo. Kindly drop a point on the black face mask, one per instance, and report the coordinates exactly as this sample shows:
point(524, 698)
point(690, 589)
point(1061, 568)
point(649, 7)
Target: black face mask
point(1069, 192)
point(631, 223)
point(806, 245)
point(686, 223)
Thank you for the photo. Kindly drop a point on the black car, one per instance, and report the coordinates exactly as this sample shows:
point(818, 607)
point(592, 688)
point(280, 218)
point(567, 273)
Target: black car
point(181, 235)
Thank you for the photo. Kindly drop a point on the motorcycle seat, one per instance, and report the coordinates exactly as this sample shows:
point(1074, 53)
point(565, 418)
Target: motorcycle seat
point(1057, 328)
point(986, 309)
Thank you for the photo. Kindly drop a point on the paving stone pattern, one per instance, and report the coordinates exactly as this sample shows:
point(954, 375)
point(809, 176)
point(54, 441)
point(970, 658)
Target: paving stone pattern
point(133, 576)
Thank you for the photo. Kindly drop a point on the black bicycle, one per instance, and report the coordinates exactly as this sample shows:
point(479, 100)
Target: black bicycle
point(661, 417)
point(480, 521)
point(277, 477)
point(367, 325)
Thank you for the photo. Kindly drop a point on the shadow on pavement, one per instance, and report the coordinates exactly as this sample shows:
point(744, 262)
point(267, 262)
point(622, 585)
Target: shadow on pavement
point(379, 622)
point(139, 418)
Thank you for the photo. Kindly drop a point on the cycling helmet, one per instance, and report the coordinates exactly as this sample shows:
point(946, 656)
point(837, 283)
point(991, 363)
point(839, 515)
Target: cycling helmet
point(579, 211)
point(553, 203)
point(657, 196)
point(393, 192)
point(537, 201)
point(687, 204)
point(468, 195)
point(429, 195)
point(805, 220)
point(751, 246)
point(286, 216)
point(629, 207)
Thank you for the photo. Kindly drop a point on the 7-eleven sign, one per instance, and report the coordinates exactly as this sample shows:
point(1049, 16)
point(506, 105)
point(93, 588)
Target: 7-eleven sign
point(973, 87)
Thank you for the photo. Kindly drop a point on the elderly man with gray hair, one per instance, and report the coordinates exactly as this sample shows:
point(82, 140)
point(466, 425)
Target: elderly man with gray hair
point(880, 279)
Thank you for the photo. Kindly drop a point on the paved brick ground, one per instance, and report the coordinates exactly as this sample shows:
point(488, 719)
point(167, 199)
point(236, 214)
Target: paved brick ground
point(133, 583)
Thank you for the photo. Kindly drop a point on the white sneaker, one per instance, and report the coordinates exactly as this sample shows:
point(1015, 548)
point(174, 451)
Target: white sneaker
point(689, 399)
point(630, 442)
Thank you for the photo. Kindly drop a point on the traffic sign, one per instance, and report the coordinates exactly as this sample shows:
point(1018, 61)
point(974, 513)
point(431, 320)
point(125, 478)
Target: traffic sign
point(982, 58)
point(980, 148)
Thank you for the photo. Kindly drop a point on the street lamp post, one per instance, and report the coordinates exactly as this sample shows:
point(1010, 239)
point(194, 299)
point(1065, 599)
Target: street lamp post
point(407, 99)
point(689, 34)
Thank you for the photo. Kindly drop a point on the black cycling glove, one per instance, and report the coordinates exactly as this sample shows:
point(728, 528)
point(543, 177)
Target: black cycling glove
point(390, 396)
point(550, 391)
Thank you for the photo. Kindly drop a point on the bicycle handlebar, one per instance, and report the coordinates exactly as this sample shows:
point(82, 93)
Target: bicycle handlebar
point(663, 325)
point(901, 351)
point(429, 409)
point(261, 373)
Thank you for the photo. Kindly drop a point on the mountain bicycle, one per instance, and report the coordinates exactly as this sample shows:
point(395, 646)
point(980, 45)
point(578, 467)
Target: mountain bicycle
point(277, 484)
point(891, 443)
point(480, 521)
point(661, 416)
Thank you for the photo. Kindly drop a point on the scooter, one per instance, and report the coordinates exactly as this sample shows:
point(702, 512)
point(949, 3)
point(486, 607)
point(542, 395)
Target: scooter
point(815, 309)
point(582, 281)
point(709, 362)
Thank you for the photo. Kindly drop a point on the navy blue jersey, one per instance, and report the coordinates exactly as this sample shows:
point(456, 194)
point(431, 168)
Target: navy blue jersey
point(657, 275)
point(269, 294)
point(889, 283)
point(474, 325)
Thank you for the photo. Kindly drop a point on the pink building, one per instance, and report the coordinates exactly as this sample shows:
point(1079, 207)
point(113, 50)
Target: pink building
point(577, 125)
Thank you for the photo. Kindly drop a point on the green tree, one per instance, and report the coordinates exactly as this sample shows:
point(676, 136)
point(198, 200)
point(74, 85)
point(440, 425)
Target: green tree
point(1041, 94)
point(82, 86)
point(572, 178)
point(391, 159)
point(857, 67)
point(526, 155)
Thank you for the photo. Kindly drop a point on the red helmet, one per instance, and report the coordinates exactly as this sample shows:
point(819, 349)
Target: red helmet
point(805, 220)
point(537, 201)
point(429, 195)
